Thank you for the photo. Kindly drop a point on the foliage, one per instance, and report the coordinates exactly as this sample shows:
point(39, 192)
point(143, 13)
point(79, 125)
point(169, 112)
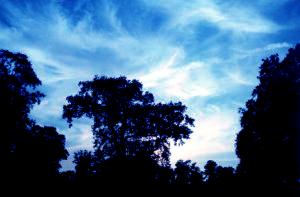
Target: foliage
point(187, 173)
point(268, 143)
point(127, 121)
point(28, 151)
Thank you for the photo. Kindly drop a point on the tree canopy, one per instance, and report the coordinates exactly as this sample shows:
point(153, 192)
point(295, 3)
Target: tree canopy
point(187, 173)
point(268, 143)
point(127, 121)
point(28, 151)
point(18, 94)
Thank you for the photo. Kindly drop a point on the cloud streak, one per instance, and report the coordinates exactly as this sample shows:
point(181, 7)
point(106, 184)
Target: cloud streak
point(231, 17)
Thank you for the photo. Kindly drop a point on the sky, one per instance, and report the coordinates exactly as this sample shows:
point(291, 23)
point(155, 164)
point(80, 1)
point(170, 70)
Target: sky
point(205, 53)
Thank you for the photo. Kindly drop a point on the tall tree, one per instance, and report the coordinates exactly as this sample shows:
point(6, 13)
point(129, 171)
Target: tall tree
point(127, 121)
point(27, 151)
point(18, 94)
point(268, 143)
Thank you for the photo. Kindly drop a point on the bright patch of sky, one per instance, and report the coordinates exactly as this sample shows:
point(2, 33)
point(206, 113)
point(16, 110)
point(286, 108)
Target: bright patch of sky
point(203, 53)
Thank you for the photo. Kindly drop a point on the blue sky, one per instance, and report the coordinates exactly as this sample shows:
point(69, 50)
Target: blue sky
point(203, 53)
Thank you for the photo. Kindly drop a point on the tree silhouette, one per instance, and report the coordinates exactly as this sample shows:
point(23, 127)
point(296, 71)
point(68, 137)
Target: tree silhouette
point(17, 93)
point(131, 132)
point(210, 171)
point(188, 177)
point(38, 153)
point(219, 180)
point(127, 121)
point(225, 175)
point(28, 152)
point(84, 161)
point(187, 173)
point(268, 143)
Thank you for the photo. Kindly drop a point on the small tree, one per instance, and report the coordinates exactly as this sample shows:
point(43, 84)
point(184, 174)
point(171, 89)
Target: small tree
point(210, 171)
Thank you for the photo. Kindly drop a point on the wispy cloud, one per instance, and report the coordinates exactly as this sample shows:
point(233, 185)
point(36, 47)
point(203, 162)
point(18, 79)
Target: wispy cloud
point(231, 17)
point(176, 78)
point(51, 70)
point(273, 46)
point(215, 128)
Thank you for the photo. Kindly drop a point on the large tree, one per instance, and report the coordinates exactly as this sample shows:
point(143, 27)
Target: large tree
point(27, 151)
point(127, 121)
point(268, 143)
point(18, 94)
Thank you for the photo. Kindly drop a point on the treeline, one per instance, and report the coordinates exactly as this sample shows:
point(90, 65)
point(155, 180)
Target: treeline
point(132, 136)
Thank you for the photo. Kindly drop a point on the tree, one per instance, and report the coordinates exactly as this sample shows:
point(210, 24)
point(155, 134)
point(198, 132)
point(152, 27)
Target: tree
point(268, 143)
point(84, 161)
point(39, 153)
point(188, 178)
point(17, 96)
point(127, 121)
point(28, 151)
point(210, 171)
point(225, 175)
point(188, 175)
point(219, 180)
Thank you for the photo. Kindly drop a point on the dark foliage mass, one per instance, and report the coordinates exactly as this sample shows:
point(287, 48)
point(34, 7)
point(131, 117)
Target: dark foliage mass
point(133, 133)
point(268, 144)
point(30, 154)
point(127, 121)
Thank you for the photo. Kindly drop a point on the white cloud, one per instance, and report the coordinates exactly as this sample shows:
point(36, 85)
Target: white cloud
point(214, 133)
point(162, 71)
point(273, 46)
point(175, 78)
point(80, 135)
point(41, 60)
point(237, 77)
point(260, 51)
